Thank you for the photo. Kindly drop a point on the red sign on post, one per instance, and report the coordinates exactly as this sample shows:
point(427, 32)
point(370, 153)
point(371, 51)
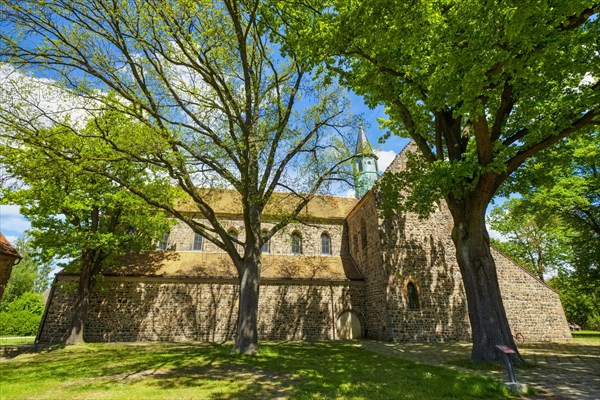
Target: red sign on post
point(505, 349)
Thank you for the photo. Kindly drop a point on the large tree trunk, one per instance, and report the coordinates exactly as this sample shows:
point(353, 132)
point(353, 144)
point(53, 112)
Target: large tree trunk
point(489, 323)
point(247, 333)
point(249, 275)
point(89, 267)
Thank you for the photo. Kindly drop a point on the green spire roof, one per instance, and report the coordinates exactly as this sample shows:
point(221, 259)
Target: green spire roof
point(362, 143)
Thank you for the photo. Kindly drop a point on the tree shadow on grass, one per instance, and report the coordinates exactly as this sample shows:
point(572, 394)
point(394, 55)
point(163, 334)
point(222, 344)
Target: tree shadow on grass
point(212, 371)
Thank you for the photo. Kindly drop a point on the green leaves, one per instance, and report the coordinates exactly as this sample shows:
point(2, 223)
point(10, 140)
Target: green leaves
point(71, 205)
point(529, 69)
point(555, 224)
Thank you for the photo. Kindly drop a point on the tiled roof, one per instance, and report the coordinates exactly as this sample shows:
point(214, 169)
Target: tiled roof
point(219, 265)
point(6, 248)
point(228, 202)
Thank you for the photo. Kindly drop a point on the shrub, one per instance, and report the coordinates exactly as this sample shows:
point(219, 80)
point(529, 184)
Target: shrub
point(22, 316)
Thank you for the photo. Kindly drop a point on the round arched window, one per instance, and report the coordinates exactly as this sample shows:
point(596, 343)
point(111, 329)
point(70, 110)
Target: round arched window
point(325, 244)
point(413, 296)
point(296, 243)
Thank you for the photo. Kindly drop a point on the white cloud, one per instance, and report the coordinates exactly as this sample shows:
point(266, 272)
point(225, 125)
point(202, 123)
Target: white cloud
point(37, 102)
point(12, 239)
point(384, 158)
point(12, 224)
point(348, 193)
point(9, 211)
point(496, 235)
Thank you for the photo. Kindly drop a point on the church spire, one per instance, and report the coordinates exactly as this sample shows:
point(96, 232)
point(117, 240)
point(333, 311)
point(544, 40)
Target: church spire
point(365, 165)
point(362, 143)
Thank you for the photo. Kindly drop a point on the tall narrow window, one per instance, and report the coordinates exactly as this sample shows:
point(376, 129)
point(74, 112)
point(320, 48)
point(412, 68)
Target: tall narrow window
point(296, 243)
point(413, 296)
point(266, 247)
point(363, 235)
point(163, 244)
point(325, 244)
point(197, 242)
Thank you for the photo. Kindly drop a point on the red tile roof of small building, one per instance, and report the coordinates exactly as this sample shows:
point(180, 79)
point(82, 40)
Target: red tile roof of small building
point(6, 248)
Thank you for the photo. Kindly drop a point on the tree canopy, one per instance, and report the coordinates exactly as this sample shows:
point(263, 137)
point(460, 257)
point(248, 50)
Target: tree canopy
point(81, 219)
point(223, 108)
point(560, 192)
point(538, 242)
point(480, 87)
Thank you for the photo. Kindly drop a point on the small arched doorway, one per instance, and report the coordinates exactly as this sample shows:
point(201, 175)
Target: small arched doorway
point(348, 325)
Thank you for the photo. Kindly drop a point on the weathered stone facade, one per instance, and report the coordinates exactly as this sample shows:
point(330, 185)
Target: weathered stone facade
point(181, 237)
point(404, 250)
point(183, 309)
point(391, 279)
point(533, 308)
point(392, 253)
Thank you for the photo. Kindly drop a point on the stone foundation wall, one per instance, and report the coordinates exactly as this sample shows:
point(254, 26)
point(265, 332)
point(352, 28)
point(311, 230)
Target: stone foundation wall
point(184, 309)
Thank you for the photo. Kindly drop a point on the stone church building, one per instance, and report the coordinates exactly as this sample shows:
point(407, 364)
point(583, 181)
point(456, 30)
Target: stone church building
point(344, 272)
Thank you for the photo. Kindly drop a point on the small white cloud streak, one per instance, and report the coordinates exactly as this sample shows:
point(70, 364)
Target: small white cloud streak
point(496, 235)
point(348, 193)
point(12, 239)
point(384, 158)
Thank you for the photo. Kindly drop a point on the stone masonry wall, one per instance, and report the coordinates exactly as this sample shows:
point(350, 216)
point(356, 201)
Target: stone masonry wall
point(533, 308)
point(401, 250)
point(407, 250)
point(367, 255)
point(185, 309)
point(420, 252)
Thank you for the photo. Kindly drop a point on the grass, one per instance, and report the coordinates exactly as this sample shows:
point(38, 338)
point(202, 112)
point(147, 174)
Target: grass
point(586, 335)
point(10, 340)
point(297, 370)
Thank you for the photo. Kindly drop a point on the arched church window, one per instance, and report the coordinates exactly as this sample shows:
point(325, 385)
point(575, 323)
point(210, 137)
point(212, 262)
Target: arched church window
point(163, 244)
point(360, 166)
point(413, 296)
point(266, 247)
point(296, 243)
point(325, 244)
point(198, 242)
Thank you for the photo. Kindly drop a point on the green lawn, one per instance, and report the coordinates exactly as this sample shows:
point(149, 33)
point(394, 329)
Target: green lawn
point(586, 335)
point(8, 340)
point(298, 370)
